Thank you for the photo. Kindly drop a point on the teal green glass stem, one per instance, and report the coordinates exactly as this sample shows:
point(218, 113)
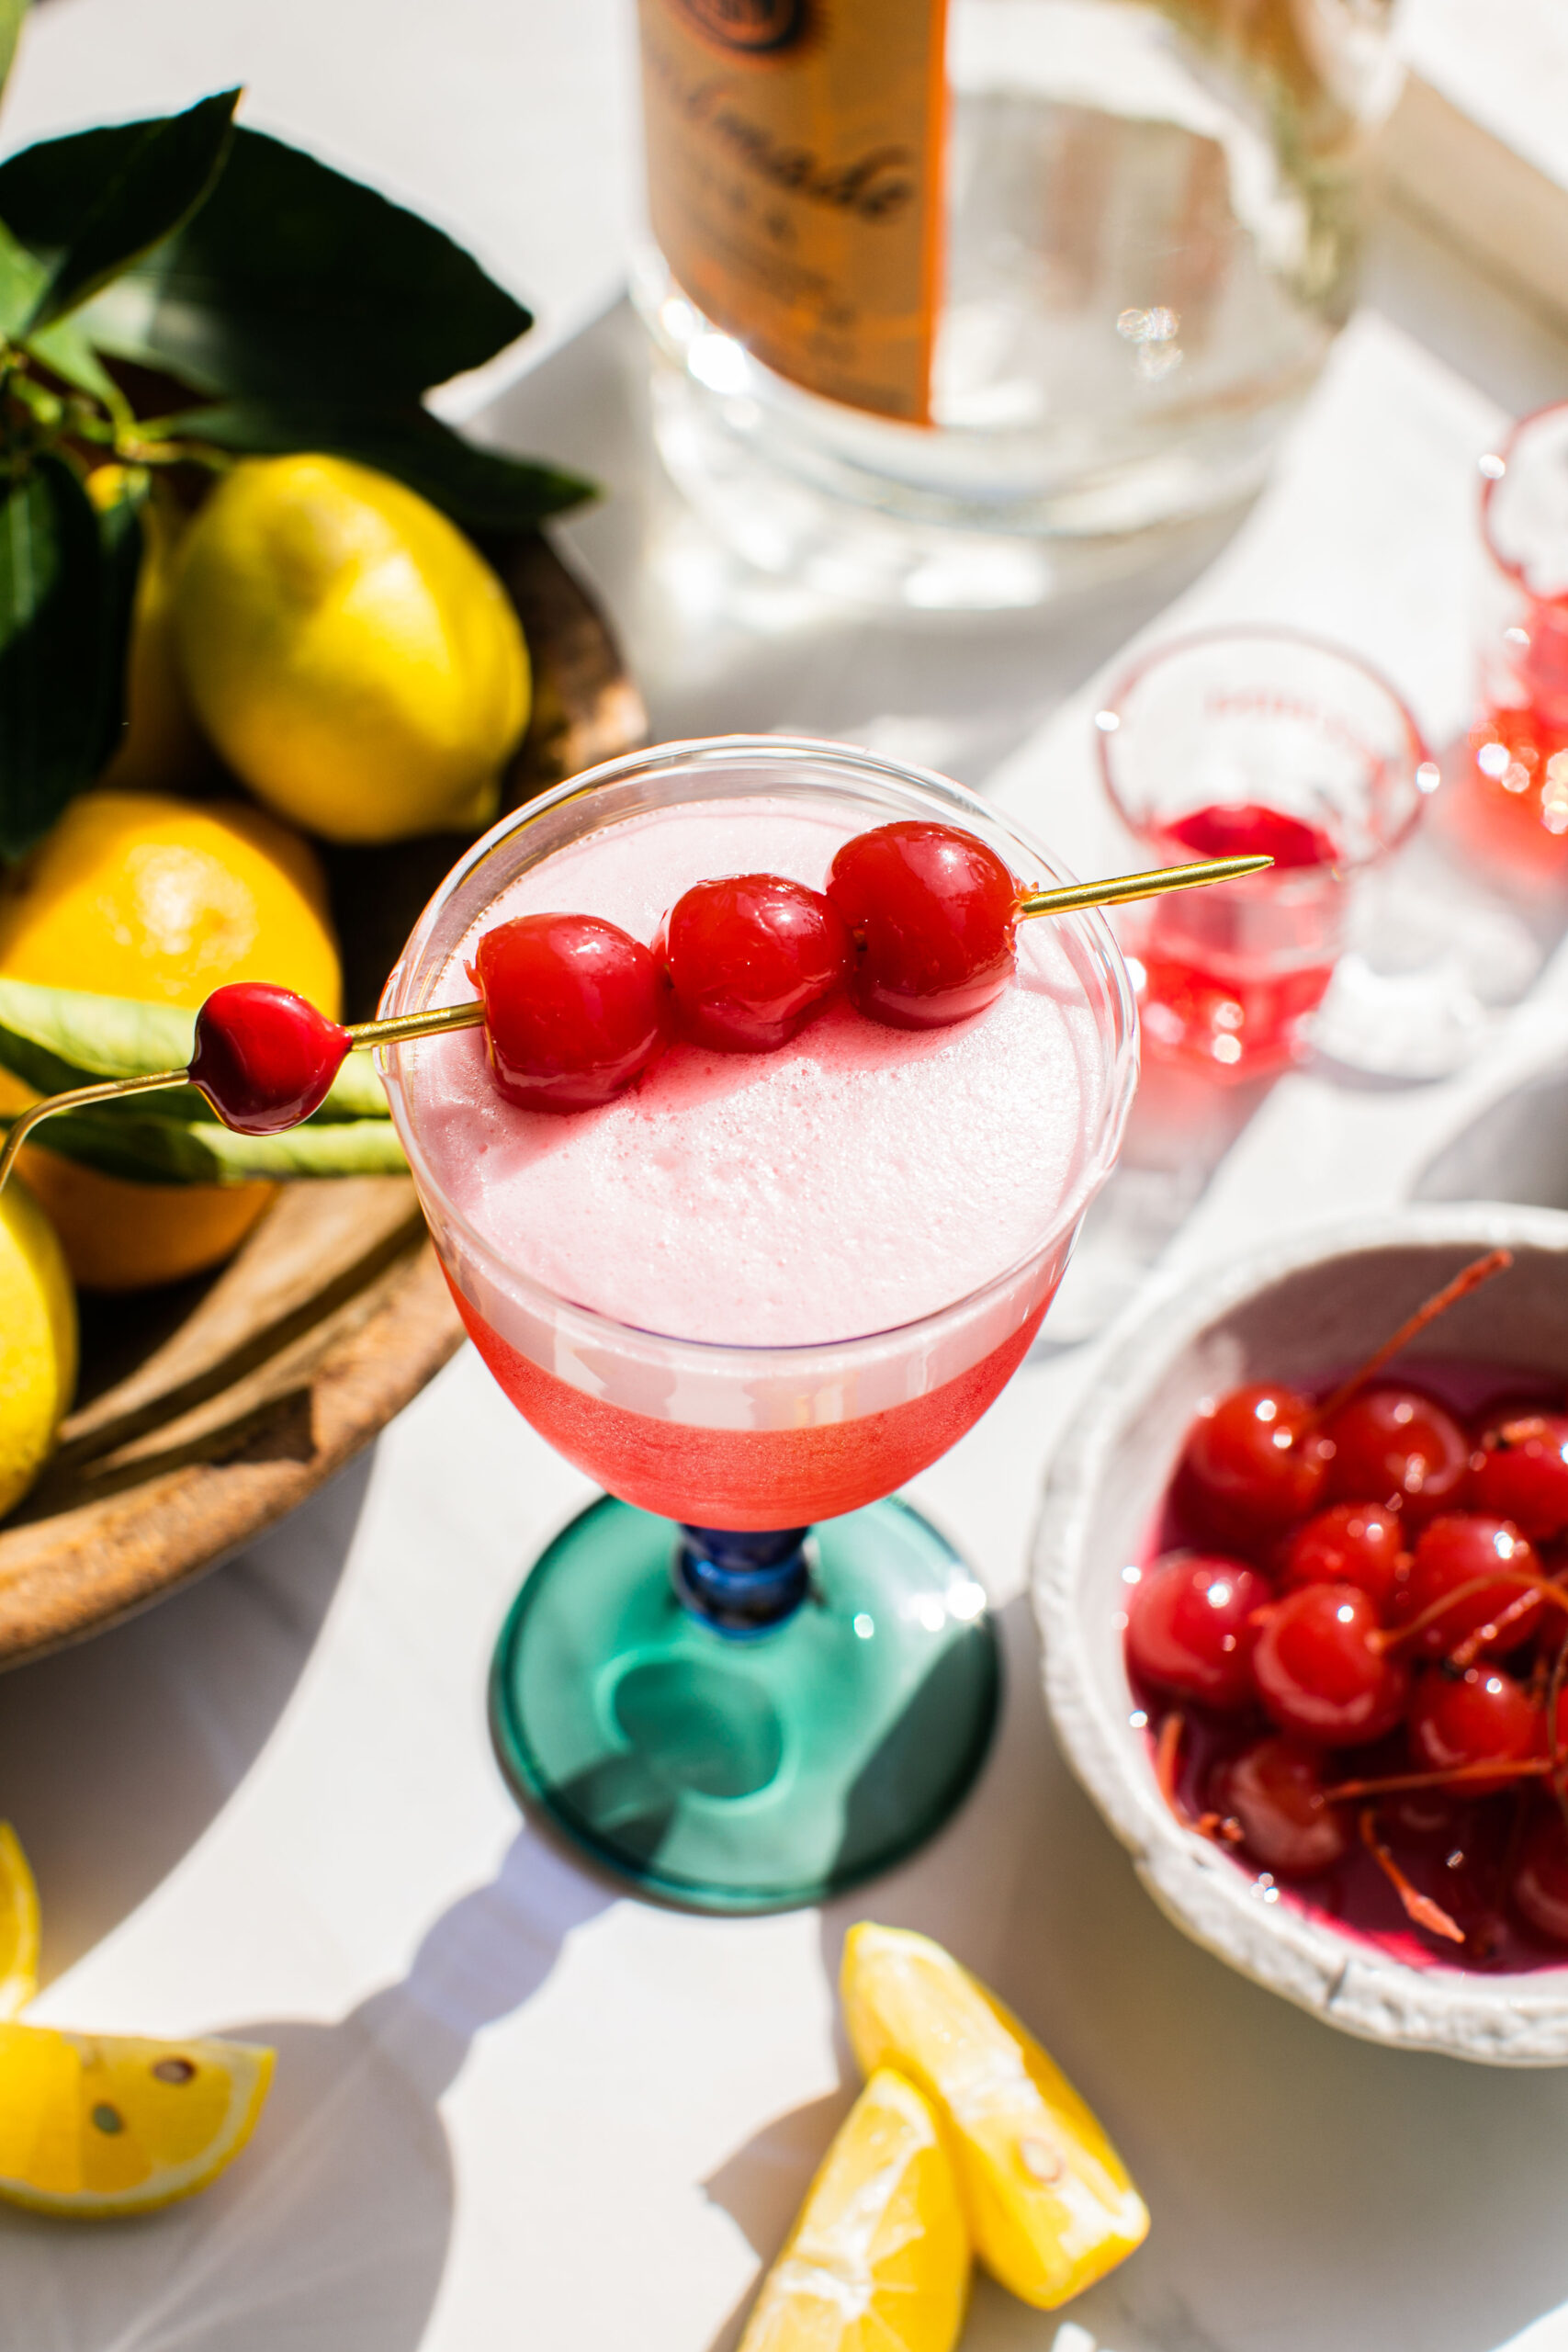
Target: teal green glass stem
point(755, 1773)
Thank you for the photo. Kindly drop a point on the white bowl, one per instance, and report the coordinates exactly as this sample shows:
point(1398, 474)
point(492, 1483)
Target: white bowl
point(1299, 1310)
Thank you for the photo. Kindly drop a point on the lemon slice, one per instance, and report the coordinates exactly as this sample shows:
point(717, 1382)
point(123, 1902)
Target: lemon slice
point(99, 2126)
point(878, 2259)
point(1050, 2205)
point(18, 1926)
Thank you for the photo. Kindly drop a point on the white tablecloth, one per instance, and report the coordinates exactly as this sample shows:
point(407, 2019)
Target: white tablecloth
point(516, 2107)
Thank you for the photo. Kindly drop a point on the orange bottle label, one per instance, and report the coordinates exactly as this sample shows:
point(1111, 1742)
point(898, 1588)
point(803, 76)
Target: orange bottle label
point(795, 183)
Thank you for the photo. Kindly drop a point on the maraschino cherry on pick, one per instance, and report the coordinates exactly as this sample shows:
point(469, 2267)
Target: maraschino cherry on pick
point(575, 1009)
point(751, 958)
point(264, 1058)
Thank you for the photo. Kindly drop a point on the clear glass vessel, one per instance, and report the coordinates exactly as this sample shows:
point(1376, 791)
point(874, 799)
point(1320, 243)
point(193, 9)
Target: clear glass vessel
point(729, 1707)
point(1143, 222)
point(1242, 741)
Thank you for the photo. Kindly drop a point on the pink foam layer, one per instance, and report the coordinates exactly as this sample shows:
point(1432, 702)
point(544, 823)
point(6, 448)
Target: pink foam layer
point(857, 1180)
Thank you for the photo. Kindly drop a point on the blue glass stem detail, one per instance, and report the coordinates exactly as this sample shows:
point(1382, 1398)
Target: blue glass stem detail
point(739, 1581)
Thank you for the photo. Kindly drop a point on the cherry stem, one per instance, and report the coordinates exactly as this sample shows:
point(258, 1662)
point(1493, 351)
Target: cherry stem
point(1483, 1269)
point(1521, 1767)
point(1533, 1588)
point(398, 1031)
point(1168, 1757)
point(1419, 1908)
point(1117, 887)
point(1464, 1655)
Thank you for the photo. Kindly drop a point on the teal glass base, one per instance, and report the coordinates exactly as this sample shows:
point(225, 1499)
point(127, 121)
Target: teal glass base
point(750, 1772)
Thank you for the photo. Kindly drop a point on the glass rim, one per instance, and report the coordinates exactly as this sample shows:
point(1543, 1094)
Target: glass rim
point(1119, 1018)
point(1495, 466)
point(1424, 769)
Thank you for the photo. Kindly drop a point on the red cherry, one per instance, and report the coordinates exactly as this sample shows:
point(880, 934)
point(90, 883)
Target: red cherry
point(1189, 1627)
point(750, 959)
point(1521, 1472)
point(1464, 1548)
point(575, 1009)
point(1254, 1462)
point(1540, 1878)
point(1321, 1670)
point(1275, 1790)
point(1358, 1543)
point(264, 1058)
point(1396, 1446)
point(931, 912)
point(1252, 831)
point(1480, 1717)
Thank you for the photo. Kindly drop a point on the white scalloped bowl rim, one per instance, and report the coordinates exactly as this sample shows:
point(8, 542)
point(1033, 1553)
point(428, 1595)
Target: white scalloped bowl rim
point(1515, 2020)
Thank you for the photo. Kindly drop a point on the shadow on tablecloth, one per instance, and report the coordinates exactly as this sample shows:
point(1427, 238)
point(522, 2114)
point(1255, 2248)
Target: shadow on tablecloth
point(331, 2232)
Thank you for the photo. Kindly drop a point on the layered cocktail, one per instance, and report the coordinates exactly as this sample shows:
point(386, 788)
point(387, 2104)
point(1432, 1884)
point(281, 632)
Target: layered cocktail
point(755, 1292)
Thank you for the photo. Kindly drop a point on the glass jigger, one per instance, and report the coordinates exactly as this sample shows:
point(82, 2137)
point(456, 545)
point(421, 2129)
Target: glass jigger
point(725, 1704)
point(1512, 805)
point(1254, 738)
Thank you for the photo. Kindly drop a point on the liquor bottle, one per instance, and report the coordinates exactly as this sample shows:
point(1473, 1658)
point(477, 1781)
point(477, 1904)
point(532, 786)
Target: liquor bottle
point(954, 299)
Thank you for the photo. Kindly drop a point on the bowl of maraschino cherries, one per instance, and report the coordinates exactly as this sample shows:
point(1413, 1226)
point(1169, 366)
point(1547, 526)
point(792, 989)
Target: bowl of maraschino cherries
point(1302, 1578)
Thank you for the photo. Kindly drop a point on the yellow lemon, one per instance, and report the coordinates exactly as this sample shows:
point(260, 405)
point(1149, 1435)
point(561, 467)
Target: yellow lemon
point(96, 2127)
point(38, 1347)
point(1050, 2205)
point(349, 652)
point(878, 2259)
point(135, 895)
point(162, 749)
point(18, 1926)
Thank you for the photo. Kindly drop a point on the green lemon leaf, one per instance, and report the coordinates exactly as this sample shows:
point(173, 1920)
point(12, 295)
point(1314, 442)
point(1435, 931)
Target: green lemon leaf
point(11, 14)
point(65, 349)
point(291, 275)
point(22, 280)
point(90, 204)
point(481, 490)
point(152, 1150)
point(63, 602)
point(54, 1039)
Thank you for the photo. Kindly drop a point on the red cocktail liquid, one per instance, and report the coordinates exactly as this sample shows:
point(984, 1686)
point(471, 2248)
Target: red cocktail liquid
point(1229, 984)
point(750, 1478)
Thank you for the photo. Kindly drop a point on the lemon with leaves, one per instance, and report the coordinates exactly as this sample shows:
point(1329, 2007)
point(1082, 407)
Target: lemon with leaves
point(350, 654)
point(136, 895)
point(38, 1344)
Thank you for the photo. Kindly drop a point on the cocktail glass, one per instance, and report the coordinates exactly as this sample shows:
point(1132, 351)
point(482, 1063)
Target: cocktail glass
point(1242, 740)
point(1513, 801)
point(749, 1675)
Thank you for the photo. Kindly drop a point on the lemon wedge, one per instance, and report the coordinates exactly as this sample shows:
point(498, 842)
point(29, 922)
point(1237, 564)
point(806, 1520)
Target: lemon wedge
point(1050, 2205)
point(99, 2126)
point(18, 1926)
point(878, 2259)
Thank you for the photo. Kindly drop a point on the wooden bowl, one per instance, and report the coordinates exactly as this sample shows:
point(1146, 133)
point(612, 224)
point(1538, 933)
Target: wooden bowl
point(208, 1411)
point(1298, 1310)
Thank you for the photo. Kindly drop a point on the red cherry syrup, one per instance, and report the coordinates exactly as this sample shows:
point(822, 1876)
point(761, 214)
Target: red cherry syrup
point(1227, 984)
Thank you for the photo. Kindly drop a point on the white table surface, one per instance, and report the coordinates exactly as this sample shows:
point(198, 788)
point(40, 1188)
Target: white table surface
point(517, 2111)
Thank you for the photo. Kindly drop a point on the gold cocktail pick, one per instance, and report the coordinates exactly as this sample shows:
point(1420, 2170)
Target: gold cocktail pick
point(404, 1026)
